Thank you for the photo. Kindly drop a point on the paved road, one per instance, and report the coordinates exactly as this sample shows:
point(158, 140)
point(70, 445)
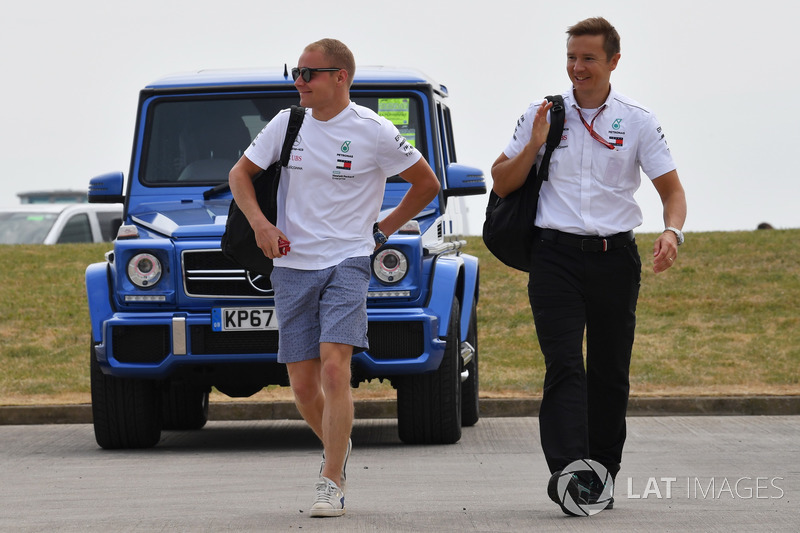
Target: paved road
point(709, 473)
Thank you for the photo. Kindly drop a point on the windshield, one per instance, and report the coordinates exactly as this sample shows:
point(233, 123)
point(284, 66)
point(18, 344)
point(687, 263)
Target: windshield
point(197, 140)
point(25, 228)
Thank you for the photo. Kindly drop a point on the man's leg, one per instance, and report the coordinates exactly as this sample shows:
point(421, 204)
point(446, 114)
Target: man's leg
point(324, 398)
point(309, 397)
point(297, 305)
point(610, 333)
point(322, 394)
point(343, 324)
point(337, 415)
point(319, 370)
point(558, 304)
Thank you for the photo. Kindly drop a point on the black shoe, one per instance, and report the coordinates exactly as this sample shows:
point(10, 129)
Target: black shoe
point(583, 489)
point(552, 487)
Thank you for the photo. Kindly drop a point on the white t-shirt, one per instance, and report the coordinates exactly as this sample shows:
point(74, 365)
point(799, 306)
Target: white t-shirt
point(330, 194)
point(590, 188)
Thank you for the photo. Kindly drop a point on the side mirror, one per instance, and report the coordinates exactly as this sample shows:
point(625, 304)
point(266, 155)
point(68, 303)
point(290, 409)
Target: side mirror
point(106, 189)
point(464, 181)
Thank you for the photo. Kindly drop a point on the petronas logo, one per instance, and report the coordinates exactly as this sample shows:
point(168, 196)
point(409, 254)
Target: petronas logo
point(346, 147)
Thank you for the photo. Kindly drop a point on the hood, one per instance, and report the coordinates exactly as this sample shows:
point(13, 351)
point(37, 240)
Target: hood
point(188, 219)
point(184, 219)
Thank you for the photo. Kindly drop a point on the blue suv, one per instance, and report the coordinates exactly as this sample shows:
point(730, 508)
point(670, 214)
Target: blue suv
point(172, 317)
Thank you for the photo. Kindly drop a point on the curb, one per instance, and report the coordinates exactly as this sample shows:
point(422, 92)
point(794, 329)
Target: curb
point(489, 408)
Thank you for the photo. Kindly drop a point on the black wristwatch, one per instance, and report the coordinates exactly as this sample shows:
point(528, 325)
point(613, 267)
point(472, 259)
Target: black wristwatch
point(378, 235)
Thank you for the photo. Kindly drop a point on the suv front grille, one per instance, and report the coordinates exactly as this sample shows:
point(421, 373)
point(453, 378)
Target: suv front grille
point(387, 340)
point(209, 274)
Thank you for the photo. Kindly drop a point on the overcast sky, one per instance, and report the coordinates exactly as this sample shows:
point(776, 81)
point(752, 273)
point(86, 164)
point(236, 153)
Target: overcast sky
point(720, 76)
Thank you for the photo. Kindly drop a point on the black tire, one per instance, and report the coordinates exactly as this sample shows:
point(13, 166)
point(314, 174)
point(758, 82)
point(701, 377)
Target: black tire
point(126, 413)
point(183, 407)
point(429, 405)
point(470, 409)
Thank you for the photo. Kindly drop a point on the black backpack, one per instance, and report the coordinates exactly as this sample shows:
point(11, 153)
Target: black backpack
point(239, 240)
point(508, 228)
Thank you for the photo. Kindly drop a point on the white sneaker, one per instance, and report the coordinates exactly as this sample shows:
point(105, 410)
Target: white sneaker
point(344, 466)
point(329, 500)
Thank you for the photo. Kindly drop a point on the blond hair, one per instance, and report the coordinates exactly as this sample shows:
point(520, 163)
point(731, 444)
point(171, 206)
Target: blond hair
point(338, 53)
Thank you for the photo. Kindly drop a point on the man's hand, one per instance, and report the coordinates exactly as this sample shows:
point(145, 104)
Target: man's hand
point(540, 127)
point(510, 174)
point(673, 198)
point(269, 239)
point(665, 251)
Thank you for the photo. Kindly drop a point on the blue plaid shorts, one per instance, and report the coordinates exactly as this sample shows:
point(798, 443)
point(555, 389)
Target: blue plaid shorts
point(314, 306)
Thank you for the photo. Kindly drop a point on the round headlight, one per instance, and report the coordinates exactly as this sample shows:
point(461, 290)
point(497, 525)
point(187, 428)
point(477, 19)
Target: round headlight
point(144, 270)
point(390, 265)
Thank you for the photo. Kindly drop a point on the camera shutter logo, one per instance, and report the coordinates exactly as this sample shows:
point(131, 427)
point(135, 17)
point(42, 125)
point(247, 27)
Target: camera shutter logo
point(592, 473)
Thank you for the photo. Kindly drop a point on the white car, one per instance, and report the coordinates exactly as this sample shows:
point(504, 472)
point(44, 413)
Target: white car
point(59, 223)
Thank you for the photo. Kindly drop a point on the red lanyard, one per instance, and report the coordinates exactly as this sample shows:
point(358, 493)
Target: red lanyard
point(596, 136)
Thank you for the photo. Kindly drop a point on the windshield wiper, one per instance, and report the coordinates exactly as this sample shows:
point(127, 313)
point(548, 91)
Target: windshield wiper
point(222, 187)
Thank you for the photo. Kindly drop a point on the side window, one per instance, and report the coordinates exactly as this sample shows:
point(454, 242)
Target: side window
point(109, 224)
point(448, 128)
point(446, 132)
point(77, 229)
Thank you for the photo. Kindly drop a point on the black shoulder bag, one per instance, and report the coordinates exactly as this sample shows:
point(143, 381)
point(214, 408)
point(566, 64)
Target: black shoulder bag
point(239, 240)
point(509, 224)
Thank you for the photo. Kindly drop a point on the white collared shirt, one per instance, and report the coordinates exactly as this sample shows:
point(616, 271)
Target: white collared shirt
point(590, 188)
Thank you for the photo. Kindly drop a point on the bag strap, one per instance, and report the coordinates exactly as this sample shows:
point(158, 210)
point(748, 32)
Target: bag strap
point(554, 135)
point(296, 116)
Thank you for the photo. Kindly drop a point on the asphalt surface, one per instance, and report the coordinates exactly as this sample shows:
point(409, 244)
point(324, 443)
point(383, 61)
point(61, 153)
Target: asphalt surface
point(680, 473)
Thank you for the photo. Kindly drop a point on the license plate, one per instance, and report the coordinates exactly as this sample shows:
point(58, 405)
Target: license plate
point(243, 319)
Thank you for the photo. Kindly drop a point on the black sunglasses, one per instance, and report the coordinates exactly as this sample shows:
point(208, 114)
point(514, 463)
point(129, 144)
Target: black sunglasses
point(307, 72)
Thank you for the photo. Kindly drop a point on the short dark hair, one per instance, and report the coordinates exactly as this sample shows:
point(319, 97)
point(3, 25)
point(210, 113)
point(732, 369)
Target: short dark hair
point(339, 53)
point(598, 26)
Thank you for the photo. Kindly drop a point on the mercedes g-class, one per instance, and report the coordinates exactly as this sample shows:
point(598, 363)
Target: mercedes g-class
point(172, 317)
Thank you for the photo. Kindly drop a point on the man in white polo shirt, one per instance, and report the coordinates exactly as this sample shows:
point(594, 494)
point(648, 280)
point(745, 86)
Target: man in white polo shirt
point(328, 203)
point(586, 268)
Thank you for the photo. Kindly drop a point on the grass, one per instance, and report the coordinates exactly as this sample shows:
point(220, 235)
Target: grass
point(43, 320)
point(723, 320)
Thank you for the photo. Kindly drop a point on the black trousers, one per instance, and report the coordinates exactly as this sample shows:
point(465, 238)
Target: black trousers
point(583, 408)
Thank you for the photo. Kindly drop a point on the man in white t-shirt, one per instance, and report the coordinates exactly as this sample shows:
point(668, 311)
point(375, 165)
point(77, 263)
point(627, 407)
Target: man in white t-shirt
point(586, 268)
point(329, 199)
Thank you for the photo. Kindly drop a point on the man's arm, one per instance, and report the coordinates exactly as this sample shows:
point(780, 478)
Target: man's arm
point(509, 175)
point(424, 188)
point(673, 198)
point(240, 179)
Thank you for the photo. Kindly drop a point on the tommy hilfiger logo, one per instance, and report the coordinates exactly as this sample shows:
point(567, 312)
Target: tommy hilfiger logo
point(616, 141)
point(342, 164)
